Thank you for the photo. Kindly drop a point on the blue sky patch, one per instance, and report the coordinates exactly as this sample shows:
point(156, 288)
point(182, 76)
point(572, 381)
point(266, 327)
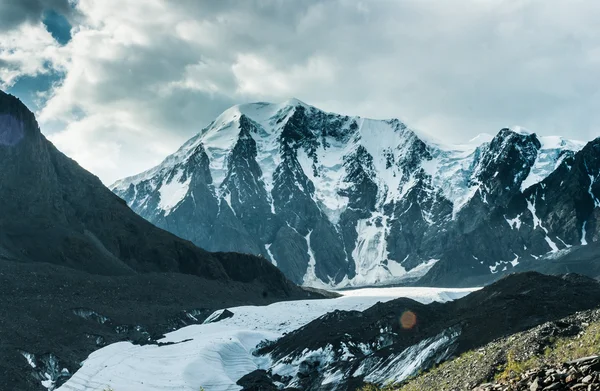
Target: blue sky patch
point(28, 87)
point(58, 26)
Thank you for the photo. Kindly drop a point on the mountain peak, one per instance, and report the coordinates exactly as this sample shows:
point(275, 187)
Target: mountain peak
point(252, 108)
point(294, 102)
point(16, 120)
point(10, 103)
point(520, 130)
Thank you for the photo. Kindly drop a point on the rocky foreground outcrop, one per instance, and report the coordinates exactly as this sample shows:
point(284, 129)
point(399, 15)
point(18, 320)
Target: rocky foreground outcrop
point(558, 355)
point(581, 374)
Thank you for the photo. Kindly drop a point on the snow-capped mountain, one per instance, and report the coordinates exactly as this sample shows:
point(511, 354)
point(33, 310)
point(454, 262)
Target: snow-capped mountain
point(334, 200)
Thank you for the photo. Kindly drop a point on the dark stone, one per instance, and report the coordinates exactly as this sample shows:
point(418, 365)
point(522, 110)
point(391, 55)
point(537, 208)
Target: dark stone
point(225, 314)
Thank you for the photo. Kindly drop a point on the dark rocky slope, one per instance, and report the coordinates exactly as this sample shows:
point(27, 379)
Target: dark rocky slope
point(69, 243)
point(559, 354)
point(55, 211)
point(392, 341)
point(53, 311)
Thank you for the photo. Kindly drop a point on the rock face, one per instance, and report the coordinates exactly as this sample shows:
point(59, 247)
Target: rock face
point(341, 201)
point(390, 342)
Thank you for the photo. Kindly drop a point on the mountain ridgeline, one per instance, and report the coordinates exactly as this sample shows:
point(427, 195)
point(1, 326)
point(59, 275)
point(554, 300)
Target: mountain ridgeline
point(54, 211)
point(340, 201)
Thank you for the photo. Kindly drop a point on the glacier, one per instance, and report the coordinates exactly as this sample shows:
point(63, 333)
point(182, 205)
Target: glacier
point(215, 355)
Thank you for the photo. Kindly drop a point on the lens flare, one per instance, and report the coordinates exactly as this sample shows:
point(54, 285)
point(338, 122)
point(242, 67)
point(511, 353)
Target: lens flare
point(408, 320)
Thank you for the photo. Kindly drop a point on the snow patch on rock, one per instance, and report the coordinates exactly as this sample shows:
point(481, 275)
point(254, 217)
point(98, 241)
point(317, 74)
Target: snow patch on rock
point(411, 360)
point(549, 158)
point(173, 192)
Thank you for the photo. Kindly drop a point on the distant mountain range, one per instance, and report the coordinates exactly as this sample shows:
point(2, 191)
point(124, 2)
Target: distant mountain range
point(338, 201)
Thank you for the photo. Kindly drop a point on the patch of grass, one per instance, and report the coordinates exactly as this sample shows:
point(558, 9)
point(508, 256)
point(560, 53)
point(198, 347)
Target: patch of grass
point(566, 349)
point(447, 375)
point(515, 368)
point(559, 350)
point(373, 387)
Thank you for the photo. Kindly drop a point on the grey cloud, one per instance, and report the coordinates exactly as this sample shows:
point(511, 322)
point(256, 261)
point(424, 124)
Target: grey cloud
point(15, 12)
point(4, 64)
point(453, 69)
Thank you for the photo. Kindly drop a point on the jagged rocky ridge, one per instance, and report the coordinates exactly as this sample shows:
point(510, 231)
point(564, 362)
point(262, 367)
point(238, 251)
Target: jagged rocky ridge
point(73, 253)
point(339, 201)
point(390, 342)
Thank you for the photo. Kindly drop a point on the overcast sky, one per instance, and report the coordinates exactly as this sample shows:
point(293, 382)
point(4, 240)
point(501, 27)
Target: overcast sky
point(119, 84)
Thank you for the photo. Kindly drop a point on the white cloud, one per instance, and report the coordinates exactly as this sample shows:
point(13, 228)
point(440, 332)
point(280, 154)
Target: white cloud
point(27, 51)
point(256, 76)
point(141, 77)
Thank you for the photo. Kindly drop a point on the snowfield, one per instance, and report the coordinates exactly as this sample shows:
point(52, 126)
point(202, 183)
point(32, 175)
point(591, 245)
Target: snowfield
point(215, 356)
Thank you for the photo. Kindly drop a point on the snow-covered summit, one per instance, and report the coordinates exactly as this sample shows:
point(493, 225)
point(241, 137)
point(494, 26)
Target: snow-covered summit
point(333, 200)
point(221, 134)
point(520, 130)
